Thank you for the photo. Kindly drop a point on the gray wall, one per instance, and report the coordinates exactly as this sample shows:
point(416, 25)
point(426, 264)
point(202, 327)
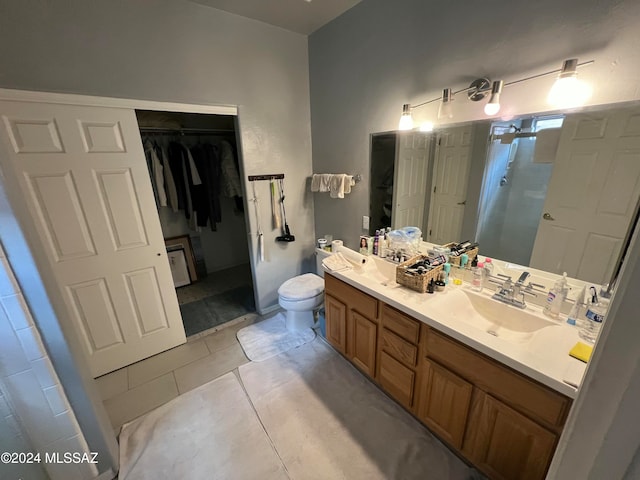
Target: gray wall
point(172, 50)
point(368, 62)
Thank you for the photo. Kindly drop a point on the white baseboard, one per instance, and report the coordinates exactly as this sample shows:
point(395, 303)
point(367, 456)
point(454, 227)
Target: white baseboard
point(268, 310)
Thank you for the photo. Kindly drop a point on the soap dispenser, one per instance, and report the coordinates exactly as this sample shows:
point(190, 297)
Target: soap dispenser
point(556, 297)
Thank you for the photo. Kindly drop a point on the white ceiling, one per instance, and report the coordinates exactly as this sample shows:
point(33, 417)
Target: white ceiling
point(300, 16)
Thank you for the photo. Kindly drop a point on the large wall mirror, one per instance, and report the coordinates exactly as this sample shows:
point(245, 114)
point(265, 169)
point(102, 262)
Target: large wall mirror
point(555, 192)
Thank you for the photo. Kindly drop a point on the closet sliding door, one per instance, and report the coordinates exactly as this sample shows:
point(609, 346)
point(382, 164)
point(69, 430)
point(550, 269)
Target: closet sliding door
point(82, 175)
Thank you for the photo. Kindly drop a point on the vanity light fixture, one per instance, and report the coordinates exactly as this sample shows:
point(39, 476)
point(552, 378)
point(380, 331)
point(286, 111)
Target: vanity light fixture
point(493, 106)
point(446, 108)
point(567, 92)
point(406, 120)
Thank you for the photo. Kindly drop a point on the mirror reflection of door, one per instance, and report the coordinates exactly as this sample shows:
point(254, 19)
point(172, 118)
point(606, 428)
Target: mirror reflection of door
point(411, 171)
point(592, 197)
point(449, 188)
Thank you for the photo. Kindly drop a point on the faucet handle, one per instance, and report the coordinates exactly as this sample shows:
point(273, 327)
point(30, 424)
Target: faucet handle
point(506, 277)
point(533, 286)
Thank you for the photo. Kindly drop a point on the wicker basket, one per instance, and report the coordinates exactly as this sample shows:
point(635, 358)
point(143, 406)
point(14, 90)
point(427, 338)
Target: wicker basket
point(416, 282)
point(473, 253)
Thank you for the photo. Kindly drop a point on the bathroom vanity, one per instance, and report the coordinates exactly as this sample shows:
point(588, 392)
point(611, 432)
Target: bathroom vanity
point(493, 392)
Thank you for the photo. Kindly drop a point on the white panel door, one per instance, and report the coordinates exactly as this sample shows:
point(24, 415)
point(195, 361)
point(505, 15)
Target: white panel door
point(592, 195)
point(83, 176)
point(449, 186)
point(410, 182)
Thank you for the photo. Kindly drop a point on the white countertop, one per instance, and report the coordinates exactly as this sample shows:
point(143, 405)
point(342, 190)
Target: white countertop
point(542, 355)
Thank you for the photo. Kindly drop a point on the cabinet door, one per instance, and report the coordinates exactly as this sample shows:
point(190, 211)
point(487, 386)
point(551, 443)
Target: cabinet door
point(363, 337)
point(336, 323)
point(507, 445)
point(443, 402)
point(396, 379)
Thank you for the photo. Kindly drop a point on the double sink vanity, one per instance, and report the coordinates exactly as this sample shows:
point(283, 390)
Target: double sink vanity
point(489, 379)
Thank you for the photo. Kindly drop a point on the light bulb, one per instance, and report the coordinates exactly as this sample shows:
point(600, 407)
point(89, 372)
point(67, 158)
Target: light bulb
point(426, 127)
point(491, 109)
point(446, 109)
point(568, 91)
point(493, 106)
point(406, 120)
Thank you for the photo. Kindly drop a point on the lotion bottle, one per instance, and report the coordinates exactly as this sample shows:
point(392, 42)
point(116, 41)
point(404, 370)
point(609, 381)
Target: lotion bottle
point(556, 296)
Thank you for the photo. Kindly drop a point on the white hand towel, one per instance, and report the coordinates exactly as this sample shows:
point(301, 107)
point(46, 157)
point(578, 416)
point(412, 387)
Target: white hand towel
point(325, 182)
point(348, 183)
point(337, 186)
point(315, 182)
point(336, 263)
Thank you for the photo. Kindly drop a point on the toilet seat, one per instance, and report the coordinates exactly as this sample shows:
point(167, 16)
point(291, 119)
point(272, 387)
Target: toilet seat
point(302, 287)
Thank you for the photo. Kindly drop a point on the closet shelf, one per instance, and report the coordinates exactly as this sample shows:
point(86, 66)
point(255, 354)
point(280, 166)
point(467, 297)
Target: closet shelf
point(186, 131)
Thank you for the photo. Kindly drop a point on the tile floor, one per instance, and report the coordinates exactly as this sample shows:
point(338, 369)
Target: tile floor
point(215, 282)
point(139, 388)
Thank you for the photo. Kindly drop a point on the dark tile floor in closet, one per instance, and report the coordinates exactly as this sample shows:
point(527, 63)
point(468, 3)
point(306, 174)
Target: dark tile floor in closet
point(218, 298)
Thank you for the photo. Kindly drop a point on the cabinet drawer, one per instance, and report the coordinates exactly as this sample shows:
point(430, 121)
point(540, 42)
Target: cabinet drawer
point(521, 393)
point(356, 300)
point(396, 379)
point(398, 348)
point(399, 323)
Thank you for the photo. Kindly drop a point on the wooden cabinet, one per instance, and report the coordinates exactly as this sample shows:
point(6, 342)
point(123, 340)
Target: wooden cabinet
point(352, 323)
point(505, 444)
point(364, 335)
point(503, 422)
point(443, 402)
point(512, 423)
point(336, 323)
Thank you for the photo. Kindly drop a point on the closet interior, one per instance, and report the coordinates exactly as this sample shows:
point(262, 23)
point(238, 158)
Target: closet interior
point(194, 166)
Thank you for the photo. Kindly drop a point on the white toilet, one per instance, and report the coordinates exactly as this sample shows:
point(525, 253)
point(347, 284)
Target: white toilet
point(301, 295)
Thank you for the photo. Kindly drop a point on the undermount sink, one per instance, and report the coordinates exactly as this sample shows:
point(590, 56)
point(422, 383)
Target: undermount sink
point(496, 318)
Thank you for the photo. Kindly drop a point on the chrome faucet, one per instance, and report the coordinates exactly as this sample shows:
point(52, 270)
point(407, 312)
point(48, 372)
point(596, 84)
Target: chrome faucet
point(513, 293)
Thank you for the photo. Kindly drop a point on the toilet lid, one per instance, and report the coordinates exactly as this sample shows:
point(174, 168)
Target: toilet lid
point(303, 286)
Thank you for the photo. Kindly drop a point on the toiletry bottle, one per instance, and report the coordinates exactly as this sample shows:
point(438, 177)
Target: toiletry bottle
point(596, 311)
point(556, 296)
point(488, 266)
point(464, 259)
point(577, 311)
point(477, 281)
point(376, 242)
point(446, 268)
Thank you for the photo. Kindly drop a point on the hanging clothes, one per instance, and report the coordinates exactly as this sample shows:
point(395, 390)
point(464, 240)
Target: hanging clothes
point(229, 168)
point(208, 205)
point(170, 185)
point(175, 153)
point(193, 179)
point(156, 172)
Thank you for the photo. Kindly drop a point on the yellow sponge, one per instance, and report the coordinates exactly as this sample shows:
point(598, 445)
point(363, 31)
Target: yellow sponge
point(581, 351)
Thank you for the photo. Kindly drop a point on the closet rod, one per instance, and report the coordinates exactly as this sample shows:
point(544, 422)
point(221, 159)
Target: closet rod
point(182, 131)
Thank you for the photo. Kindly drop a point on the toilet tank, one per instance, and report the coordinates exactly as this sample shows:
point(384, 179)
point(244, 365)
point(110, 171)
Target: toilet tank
point(320, 255)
